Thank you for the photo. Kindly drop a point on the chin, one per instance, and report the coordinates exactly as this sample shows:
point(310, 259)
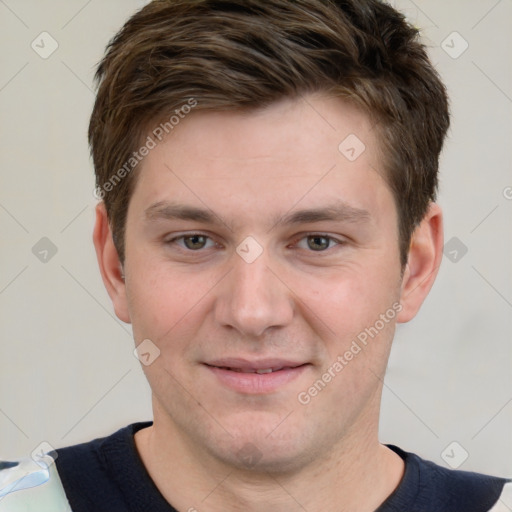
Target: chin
point(256, 450)
point(253, 458)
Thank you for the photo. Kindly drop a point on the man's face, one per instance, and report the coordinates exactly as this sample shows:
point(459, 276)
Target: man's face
point(255, 242)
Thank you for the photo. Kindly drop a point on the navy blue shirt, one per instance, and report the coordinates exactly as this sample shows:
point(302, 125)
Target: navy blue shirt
point(107, 475)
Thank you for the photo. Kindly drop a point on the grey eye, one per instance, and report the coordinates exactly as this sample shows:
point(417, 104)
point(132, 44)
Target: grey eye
point(318, 242)
point(195, 242)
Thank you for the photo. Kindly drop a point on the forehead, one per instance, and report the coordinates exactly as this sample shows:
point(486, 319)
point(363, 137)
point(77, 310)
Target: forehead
point(307, 130)
point(306, 150)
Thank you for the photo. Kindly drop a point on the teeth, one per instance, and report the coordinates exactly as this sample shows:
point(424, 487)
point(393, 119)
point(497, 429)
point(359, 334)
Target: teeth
point(259, 371)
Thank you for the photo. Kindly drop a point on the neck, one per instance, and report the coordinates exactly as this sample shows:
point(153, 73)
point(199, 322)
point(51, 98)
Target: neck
point(357, 473)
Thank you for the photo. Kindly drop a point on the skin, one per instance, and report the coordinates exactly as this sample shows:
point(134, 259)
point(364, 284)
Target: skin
point(303, 298)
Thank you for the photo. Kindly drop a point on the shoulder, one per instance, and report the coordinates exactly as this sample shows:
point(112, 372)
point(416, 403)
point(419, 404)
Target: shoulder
point(30, 482)
point(74, 477)
point(430, 487)
point(504, 503)
point(104, 474)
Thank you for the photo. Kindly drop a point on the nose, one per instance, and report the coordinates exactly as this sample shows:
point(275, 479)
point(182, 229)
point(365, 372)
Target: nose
point(253, 298)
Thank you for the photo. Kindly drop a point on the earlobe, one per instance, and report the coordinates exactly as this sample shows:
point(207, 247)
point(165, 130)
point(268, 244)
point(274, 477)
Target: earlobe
point(425, 255)
point(109, 263)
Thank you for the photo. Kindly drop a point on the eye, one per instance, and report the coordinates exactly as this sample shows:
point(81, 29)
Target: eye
point(192, 242)
point(318, 242)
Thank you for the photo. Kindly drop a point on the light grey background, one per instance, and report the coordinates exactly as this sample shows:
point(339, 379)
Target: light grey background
point(67, 371)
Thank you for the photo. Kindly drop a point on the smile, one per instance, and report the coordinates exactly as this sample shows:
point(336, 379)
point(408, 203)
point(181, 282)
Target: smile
point(251, 370)
point(261, 377)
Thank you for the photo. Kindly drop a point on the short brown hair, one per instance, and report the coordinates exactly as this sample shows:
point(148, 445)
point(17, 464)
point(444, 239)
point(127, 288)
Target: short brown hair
point(247, 54)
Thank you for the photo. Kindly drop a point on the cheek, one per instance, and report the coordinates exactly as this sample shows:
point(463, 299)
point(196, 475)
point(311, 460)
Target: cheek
point(349, 300)
point(165, 301)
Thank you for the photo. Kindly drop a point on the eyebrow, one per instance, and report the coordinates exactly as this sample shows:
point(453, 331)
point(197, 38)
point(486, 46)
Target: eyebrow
point(168, 211)
point(339, 211)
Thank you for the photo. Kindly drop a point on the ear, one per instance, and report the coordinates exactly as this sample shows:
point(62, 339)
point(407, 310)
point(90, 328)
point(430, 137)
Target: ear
point(110, 266)
point(425, 255)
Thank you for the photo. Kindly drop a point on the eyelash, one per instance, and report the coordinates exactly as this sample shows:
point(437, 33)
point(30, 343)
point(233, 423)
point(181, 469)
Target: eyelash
point(173, 241)
point(336, 241)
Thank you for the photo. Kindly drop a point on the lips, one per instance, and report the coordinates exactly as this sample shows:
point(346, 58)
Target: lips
point(256, 377)
point(261, 366)
point(256, 370)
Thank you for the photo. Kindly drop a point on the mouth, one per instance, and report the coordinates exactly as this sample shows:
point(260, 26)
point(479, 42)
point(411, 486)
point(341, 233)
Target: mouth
point(256, 377)
point(259, 371)
point(257, 366)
